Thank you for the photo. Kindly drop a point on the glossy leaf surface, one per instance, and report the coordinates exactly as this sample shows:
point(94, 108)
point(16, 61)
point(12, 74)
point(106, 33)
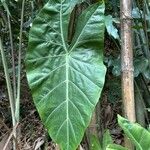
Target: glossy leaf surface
point(66, 80)
point(137, 134)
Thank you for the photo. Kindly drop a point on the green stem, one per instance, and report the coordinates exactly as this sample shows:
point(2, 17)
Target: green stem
point(8, 82)
point(17, 110)
point(12, 55)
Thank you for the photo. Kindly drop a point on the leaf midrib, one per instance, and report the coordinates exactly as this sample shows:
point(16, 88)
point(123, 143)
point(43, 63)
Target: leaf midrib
point(67, 75)
point(67, 66)
point(61, 29)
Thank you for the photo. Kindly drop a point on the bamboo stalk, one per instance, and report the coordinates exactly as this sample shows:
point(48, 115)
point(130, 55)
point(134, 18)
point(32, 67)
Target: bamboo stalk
point(127, 64)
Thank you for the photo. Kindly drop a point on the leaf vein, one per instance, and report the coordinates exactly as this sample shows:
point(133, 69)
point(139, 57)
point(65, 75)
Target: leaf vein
point(78, 111)
point(73, 130)
point(82, 93)
point(54, 43)
point(77, 60)
point(61, 29)
point(33, 60)
point(81, 32)
point(60, 128)
point(51, 91)
point(54, 111)
point(83, 75)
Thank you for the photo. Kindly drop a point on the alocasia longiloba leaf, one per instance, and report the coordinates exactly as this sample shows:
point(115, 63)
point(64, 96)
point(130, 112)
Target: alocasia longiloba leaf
point(66, 80)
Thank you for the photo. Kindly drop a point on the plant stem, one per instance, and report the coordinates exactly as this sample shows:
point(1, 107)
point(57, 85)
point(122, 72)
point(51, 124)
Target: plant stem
point(12, 55)
point(127, 64)
point(17, 110)
point(8, 82)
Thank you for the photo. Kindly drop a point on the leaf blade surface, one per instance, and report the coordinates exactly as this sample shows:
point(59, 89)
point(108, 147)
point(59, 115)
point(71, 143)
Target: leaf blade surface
point(66, 80)
point(136, 133)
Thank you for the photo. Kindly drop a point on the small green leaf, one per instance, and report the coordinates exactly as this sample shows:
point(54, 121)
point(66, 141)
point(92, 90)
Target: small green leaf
point(111, 29)
point(94, 143)
point(116, 63)
point(107, 139)
point(147, 71)
point(115, 147)
point(137, 134)
point(140, 65)
point(136, 13)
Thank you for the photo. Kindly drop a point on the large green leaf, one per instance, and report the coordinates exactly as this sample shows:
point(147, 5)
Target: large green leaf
point(66, 80)
point(137, 134)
